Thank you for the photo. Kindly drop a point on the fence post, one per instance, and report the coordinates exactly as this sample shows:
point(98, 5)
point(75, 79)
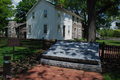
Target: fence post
point(7, 65)
point(102, 56)
point(43, 43)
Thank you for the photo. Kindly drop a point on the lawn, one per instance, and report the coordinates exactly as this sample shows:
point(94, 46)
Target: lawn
point(20, 52)
point(107, 42)
point(110, 68)
point(25, 43)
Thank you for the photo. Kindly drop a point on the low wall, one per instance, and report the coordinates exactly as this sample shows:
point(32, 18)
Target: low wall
point(116, 39)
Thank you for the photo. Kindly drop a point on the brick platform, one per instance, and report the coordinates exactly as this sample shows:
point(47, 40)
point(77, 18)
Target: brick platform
point(46, 72)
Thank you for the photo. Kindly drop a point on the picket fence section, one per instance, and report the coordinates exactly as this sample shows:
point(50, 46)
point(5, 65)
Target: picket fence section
point(109, 51)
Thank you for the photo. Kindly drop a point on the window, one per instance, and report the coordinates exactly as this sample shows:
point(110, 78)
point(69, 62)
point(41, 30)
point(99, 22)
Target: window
point(45, 28)
point(58, 13)
point(45, 13)
point(72, 18)
point(29, 29)
point(75, 20)
point(79, 21)
point(33, 15)
point(64, 16)
point(68, 17)
point(68, 30)
point(58, 29)
point(79, 31)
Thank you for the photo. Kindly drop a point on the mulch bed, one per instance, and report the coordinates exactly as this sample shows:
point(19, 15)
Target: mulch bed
point(21, 66)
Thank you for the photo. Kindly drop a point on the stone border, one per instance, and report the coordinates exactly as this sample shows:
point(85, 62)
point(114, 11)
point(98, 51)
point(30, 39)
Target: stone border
point(78, 66)
point(70, 60)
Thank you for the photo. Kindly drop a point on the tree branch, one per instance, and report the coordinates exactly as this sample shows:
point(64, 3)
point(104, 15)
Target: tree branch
point(105, 8)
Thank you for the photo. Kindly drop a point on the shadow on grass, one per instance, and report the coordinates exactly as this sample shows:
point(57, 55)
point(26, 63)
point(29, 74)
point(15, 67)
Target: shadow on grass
point(112, 76)
point(2, 46)
point(20, 53)
point(116, 42)
point(111, 69)
point(35, 45)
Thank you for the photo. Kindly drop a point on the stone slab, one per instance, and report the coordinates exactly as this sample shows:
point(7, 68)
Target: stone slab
point(72, 49)
point(73, 54)
point(85, 67)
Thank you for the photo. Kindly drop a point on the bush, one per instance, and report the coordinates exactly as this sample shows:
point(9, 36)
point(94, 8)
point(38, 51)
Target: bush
point(109, 33)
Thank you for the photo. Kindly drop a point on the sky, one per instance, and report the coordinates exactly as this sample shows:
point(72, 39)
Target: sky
point(15, 2)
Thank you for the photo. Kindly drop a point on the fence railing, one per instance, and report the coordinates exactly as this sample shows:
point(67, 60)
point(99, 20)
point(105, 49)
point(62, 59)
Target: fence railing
point(105, 51)
point(33, 43)
point(109, 51)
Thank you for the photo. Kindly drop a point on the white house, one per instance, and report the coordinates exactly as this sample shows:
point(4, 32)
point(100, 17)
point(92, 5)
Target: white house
point(47, 20)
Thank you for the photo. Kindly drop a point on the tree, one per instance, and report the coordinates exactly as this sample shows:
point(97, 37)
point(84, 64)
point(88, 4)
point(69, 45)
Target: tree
point(107, 7)
point(6, 12)
point(98, 12)
point(22, 9)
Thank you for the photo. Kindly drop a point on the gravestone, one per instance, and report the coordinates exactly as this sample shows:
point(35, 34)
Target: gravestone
point(73, 54)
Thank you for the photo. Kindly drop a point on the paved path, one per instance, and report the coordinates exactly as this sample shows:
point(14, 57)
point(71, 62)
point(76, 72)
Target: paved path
point(46, 72)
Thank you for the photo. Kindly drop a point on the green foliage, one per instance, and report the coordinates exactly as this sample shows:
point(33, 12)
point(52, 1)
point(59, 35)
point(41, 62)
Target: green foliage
point(118, 25)
point(111, 76)
point(6, 12)
point(103, 18)
point(110, 33)
point(22, 9)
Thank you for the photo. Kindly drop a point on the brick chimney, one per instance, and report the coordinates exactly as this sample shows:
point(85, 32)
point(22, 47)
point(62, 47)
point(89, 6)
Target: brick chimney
point(60, 5)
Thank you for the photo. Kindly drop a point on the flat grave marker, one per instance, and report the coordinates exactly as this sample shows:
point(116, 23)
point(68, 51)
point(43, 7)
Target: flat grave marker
point(73, 54)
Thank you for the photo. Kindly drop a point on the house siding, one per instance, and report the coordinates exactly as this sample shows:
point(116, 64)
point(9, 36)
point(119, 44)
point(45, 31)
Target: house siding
point(77, 26)
point(63, 22)
point(37, 24)
point(52, 21)
point(21, 31)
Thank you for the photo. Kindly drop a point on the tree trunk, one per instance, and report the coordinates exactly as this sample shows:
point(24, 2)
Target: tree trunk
point(91, 20)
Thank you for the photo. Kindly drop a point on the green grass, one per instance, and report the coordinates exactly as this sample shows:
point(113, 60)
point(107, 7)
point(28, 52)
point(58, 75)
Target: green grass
point(111, 76)
point(20, 52)
point(25, 43)
point(31, 44)
point(4, 41)
point(109, 42)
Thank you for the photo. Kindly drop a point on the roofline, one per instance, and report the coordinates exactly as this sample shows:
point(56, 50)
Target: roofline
point(69, 12)
point(36, 5)
point(21, 25)
point(57, 7)
point(32, 7)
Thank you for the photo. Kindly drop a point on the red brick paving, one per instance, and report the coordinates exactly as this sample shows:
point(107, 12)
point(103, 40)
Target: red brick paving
point(46, 72)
